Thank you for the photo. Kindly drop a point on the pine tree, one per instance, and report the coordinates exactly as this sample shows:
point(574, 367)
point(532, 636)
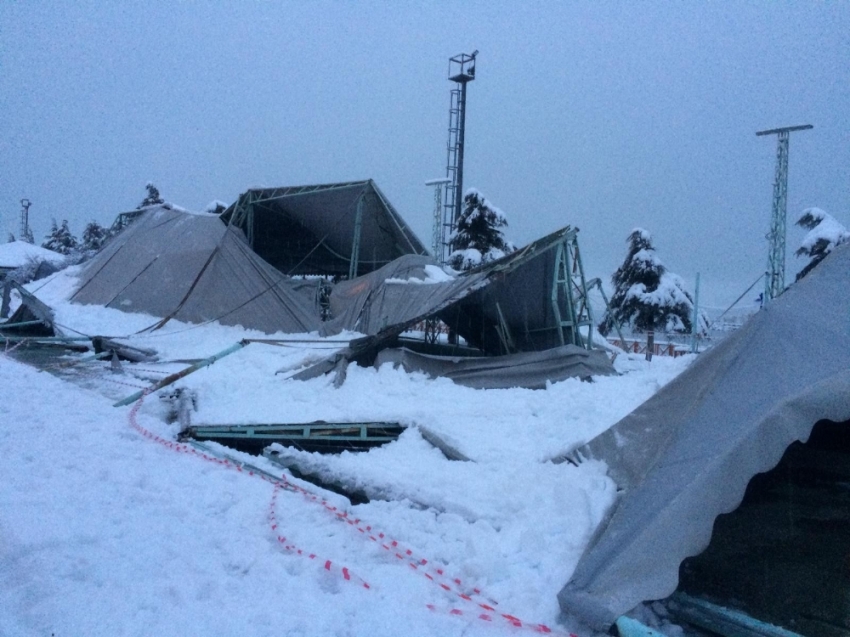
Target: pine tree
point(825, 233)
point(60, 239)
point(94, 236)
point(646, 295)
point(477, 238)
point(152, 197)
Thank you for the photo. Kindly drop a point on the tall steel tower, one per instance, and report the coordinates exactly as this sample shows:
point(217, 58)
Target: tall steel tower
point(774, 280)
point(461, 72)
point(25, 219)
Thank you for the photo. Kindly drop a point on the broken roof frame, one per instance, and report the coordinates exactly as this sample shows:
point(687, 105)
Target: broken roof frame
point(242, 214)
point(567, 296)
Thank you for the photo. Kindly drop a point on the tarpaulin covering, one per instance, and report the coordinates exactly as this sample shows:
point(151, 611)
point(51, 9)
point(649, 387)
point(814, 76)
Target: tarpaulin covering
point(503, 306)
point(531, 370)
point(193, 268)
point(393, 295)
point(687, 454)
point(312, 229)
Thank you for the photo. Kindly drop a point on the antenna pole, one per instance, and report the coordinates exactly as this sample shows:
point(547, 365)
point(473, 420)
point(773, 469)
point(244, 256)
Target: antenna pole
point(774, 283)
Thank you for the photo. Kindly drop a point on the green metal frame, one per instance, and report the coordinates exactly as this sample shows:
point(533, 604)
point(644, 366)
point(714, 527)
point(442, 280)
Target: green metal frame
point(569, 287)
point(314, 431)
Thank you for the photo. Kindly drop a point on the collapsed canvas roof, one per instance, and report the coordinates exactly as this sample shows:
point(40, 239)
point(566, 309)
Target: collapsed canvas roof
point(530, 300)
point(343, 229)
point(531, 370)
point(686, 455)
point(192, 267)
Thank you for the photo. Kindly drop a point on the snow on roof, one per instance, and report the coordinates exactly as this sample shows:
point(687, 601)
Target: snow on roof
point(433, 274)
point(16, 254)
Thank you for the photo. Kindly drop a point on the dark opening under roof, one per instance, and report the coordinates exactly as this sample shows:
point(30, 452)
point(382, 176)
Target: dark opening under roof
point(343, 229)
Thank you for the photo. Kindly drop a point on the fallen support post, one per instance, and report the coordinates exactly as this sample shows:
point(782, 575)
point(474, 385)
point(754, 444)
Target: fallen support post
point(86, 359)
point(173, 378)
point(721, 620)
point(4, 326)
point(124, 352)
point(45, 339)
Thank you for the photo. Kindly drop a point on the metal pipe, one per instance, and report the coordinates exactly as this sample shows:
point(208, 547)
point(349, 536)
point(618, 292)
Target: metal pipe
point(695, 322)
point(173, 378)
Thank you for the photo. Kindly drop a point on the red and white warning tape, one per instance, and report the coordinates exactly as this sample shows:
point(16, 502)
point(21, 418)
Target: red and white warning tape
point(416, 564)
point(288, 545)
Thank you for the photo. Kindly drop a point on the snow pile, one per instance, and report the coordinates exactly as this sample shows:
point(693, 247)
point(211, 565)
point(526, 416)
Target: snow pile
point(106, 532)
point(16, 254)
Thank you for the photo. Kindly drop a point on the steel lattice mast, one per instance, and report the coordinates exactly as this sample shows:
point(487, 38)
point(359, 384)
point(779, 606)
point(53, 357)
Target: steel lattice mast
point(461, 72)
point(774, 282)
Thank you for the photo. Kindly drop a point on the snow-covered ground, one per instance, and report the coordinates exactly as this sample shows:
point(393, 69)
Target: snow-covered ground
point(104, 531)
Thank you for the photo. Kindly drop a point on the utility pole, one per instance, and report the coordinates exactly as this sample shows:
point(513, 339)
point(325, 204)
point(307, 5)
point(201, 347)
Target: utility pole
point(774, 283)
point(461, 72)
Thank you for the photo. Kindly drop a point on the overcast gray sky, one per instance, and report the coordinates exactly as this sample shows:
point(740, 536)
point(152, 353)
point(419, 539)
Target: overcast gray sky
point(601, 115)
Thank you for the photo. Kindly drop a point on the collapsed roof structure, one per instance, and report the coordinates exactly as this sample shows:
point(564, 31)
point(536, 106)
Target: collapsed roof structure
point(529, 301)
point(16, 254)
point(342, 229)
point(192, 267)
point(687, 454)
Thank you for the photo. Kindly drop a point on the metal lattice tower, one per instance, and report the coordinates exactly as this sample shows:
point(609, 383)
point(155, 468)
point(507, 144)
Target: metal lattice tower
point(461, 72)
point(774, 281)
point(25, 219)
point(437, 233)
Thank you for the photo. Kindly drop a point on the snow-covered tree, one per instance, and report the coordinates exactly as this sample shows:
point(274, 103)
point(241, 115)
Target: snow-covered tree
point(152, 197)
point(478, 238)
point(646, 295)
point(825, 232)
point(93, 237)
point(60, 239)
